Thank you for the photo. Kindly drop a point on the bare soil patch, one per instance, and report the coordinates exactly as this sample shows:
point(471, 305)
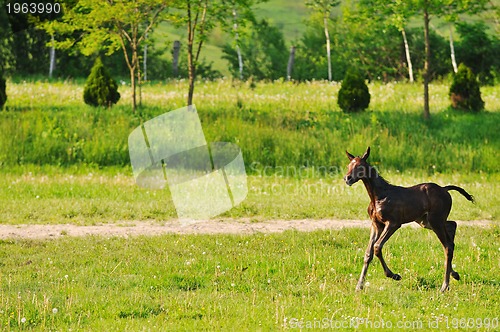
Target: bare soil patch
point(150, 228)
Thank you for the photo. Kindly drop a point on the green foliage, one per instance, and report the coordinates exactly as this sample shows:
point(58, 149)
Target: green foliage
point(6, 59)
point(440, 61)
point(263, 51)
point(100, 89)
point(353, 95)
point(311, 59)
point(479, 51)
point(3, 91)
point(464, 91)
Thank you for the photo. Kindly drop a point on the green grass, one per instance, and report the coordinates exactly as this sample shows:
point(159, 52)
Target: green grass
point(278, 124)
point(63, 162)
point(86, 196)
point(292, 137)
point(224, 282)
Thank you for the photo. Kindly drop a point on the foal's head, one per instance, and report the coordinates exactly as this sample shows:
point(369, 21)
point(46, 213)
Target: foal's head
point(358, 168)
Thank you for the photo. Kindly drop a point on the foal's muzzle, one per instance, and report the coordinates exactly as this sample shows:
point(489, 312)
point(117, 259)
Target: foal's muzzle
point(349, 180)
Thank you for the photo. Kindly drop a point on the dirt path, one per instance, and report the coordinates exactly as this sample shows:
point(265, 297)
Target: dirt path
point(136, 228)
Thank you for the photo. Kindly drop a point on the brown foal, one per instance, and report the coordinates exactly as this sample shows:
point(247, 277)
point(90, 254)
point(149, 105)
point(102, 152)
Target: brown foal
point(428, 204)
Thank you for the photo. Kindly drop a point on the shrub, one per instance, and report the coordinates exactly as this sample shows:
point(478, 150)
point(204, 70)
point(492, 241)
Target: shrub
point(353, 94)
point(100, 89)
point(3, 93)
point(464, 90)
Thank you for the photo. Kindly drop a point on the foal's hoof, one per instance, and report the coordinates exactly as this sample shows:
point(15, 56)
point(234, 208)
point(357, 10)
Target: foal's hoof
point(396, 277)
point(455, 275)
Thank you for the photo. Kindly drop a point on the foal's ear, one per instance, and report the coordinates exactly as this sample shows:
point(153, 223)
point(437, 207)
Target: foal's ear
point(367, 154)
point(350, 156)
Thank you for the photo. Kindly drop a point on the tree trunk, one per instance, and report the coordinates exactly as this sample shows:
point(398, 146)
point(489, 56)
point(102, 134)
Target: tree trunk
point(191, 70)
point(238, 50)
point(452, 52)
point(175, 58)
point(133, 75)
point(191, 64)
point(427, 63)
point(132, 83)
point(145, 58)
point(240, 62)
point(52, 64)
point(291, 60)
point(408, 57)
point(328, 53)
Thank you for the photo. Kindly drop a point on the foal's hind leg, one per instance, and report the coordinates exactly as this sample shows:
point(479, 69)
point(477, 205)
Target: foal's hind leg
point(440, 227)
point(451, 229)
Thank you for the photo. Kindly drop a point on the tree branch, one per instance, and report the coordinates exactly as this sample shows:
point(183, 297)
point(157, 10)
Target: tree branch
point(202, 30)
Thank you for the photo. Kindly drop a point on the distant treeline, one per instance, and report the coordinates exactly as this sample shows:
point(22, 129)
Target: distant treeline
point(377, 50)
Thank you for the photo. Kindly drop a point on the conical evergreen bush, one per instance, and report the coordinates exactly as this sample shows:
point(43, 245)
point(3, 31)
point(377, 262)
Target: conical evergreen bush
point(464, 91)
point(100, 89)
point(3, 92)
point(353, 94)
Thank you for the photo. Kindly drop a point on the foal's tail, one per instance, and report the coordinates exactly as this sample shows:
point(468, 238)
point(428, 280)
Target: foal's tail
point(460, 190)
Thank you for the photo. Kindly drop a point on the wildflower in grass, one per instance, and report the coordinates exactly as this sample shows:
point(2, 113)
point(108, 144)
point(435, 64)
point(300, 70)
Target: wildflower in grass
point(23, 320)
point(54, 310)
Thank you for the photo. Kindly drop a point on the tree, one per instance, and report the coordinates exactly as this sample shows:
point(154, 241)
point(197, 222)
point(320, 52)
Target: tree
point(109, 26)
point(440, 8)
point(100, 89)
point(3, 88)
point(478, 50)
point(395, 13)
point(324, 8)
point(440, 57)
point(310, 60)
point(23, 43)
point(200, 17)
point(263, 53)
point(6, 58)
point(357, 42)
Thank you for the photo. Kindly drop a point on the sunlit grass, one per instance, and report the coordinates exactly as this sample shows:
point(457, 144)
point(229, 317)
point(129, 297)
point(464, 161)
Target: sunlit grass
point(243, 282)
point(293, 136)
point(86, 196)
point(280, 124)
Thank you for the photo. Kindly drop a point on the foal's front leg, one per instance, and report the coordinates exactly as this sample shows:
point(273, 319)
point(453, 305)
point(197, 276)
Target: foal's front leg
point(389, 230)
point(374, 234)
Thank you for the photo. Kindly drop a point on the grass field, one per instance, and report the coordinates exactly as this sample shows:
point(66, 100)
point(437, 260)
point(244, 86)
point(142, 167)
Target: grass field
point(224, 282)
point(80, 196)
point(62, 162)
point(275, 124)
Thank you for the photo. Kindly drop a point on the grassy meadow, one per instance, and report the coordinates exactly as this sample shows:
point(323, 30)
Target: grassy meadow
point(225, 283)
point(51, 195)
point(62, 162)
point(275, 124)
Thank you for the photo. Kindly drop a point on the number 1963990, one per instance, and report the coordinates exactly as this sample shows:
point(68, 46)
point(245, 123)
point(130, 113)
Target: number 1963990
point(33, 8)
